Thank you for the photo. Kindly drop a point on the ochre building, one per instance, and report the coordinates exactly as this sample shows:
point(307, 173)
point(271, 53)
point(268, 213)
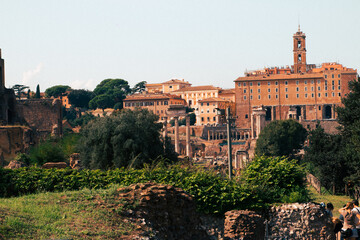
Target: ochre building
point(157, 103)
point(305, 92)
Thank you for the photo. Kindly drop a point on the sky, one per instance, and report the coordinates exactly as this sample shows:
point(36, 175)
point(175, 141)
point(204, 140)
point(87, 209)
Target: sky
point(206, 42)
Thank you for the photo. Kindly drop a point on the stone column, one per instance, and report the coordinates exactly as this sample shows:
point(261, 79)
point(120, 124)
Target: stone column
point(177, 146)
point(208, 133)
point(188, 152)
point(165, 128)
point(252, 126)
point(257, 126)
point(333, 111)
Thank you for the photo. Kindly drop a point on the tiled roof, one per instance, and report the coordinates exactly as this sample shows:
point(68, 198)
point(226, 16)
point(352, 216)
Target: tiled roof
point(227, 91)
point(151, 96)
point(213, 99)
point(176, 81)
point(197, 88)
point(280, 77)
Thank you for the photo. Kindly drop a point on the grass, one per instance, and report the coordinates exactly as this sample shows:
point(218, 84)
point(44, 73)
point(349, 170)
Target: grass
point(85, 214)
point(337, 200)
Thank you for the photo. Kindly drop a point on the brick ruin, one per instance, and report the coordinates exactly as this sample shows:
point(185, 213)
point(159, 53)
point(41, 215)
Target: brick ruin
point(25, 122)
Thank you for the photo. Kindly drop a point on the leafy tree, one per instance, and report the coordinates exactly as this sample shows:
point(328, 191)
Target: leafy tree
point(139, 87)
point(28, 94)
point(19, 89)
point(127, 139)
point(324, 158)
point(37, 94)
point(277, 179)
point(182, 121)
point(80, 98)
point(101, 101)
point(109, 92)
point(83, 119)
point(281, 138)
point(56, 91)
point(47, 151)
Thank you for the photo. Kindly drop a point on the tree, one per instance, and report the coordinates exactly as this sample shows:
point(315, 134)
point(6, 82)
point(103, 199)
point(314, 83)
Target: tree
point(277, 179)
point(19, 89)
point(109, 92)
point(139, 87)
point(324, 158)
point(80, 98)
point(281, 138)
point(126, 139)
point(56, 91)
point(37, 94)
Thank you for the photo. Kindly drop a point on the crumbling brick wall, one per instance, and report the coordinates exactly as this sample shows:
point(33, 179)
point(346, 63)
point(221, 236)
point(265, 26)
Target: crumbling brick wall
point(44, 115)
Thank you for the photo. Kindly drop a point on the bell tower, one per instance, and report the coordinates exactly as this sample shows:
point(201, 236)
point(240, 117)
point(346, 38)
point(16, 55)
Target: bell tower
point(299, 52)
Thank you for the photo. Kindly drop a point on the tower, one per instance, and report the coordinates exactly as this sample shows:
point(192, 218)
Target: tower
point(2, 74)
point(299, 52)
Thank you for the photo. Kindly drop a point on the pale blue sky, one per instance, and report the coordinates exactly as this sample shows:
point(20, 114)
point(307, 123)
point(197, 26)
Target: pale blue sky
point(206, 42)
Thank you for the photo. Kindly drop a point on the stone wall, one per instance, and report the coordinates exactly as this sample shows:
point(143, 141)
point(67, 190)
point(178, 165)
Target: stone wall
point(44, 115)
point(15, 139)
point(300, 221)
point(329, 126)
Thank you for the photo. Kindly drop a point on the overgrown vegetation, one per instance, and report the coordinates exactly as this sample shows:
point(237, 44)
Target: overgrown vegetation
point(279, 180)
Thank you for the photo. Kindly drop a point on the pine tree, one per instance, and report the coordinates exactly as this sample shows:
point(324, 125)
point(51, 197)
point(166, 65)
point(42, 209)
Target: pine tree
point(37, 94)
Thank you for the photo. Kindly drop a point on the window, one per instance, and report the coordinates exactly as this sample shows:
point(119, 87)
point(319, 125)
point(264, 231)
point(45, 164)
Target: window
point(165, 102)
point(214, 119)
point(305, 81)
point(246, 116)
point(202, 104)
point(297, 89)
point(339, 94)
point(244, 97)
point(333, 94)
point(319, 94)
point(339, 82)
point(312, 81)
point(276, 83)
point(333, 87)
point(259, 90)
point(244, 84)
point(319, 107)
point(190, 102)
point(319, 81)
point(207, 111)
point(269, 96)
point(332, 82)
point(207, 104)
point(250, 90)
point(339, 87)
point(326, 94)
point(297, 82)
point(276, 89)
point(332, 75)
point(250, 97)
point(325, 88)
point(208, 119)
point(250, 84)
point(286, 89)
point(202, 110)
point(305, 89)
point(276, 96)
point(268, 83)
point(325, 82)
point(339, 76)
point(202, 119)
point(312, 88)
point(297, 95)
point(286, 96)
point(259, 97)
point(286, 82)
point(268, 89)
point(325, 76)
point(305, 95)
point(244, 90)
point(170, 86)
point(319, 88)
point(312, 95)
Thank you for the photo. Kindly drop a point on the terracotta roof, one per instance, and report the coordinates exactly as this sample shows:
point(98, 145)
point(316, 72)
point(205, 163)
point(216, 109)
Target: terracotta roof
point(213, 99)
point(197, 88)
point(227, 91)
point(280, 77)
point(153, 84)
point(151, 96)
point(176, 81)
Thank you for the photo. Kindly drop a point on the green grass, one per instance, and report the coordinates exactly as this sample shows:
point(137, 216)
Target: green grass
point(85, 214)
point(337, 200)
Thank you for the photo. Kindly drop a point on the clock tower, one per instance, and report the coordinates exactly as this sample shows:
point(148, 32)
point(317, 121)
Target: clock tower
point(299, 52)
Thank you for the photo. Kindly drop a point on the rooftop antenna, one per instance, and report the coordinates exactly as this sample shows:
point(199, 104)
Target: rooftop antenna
point(299, 22)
